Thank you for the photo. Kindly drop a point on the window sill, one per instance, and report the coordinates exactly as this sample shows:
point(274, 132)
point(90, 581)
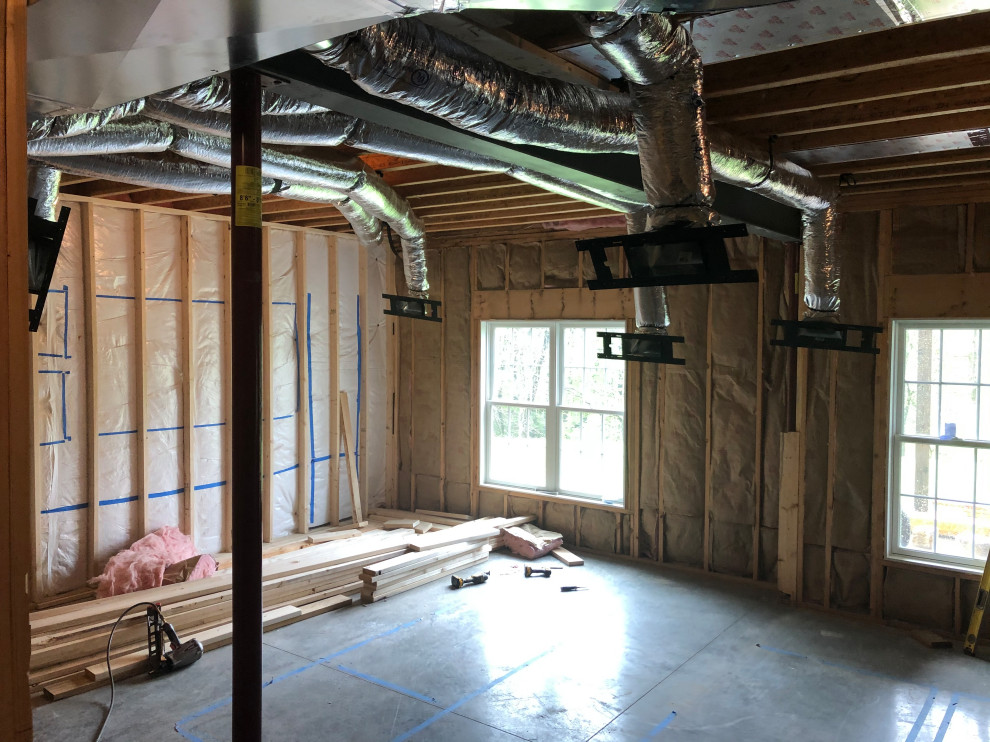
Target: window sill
point(932, 567)
point(551, 497)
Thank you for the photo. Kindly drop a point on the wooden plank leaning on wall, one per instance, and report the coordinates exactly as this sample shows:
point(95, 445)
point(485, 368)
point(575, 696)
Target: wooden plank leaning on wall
point(16, 461)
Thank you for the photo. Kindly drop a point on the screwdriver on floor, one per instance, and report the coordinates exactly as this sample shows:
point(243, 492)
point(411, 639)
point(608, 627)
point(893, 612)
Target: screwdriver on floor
point(572, 588)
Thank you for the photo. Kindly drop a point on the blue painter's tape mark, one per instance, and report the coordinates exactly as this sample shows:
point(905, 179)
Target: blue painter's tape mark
point(386, 684)
point(295, 336)
point(782, 651)
point(49, 371)
point(162, 298)
point(65, 421)
point(284, 417)
point(209, 425)
point(65, 321)
point(660, 727)
point(113, 296)
point(210, 486)
point(944, 726)
point(165, 430)
point(207, 301)
point(155, 495)
point(284, 303)
point(469, 697)
point(312, 438)
point(119, 500)
point(226, 701)
point(357, 428)
point(51, 443)
point(922, 715)
point(283, 471)
point(66, 508)
point(51, 355)
point(120, 432)
point(318, 459)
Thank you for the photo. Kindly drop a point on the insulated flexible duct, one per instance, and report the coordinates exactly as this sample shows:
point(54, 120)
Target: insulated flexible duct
point(213, 94)
point(119, 137)
point(43, 183)
point(79, 123)
point(407, 61)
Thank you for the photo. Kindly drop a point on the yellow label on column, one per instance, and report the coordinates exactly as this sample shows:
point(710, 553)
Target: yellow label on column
point(247, 193)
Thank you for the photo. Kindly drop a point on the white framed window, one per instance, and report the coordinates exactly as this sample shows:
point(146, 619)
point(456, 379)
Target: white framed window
point(940, 442)
point(554, 413)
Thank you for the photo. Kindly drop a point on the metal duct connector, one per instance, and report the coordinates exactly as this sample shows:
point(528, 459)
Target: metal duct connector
point(407, 61)
point(79, 123)
point(119, 137)
point(740, 163)
point(43, 183)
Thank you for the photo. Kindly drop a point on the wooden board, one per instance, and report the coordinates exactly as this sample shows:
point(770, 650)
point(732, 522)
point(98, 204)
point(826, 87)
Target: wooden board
point(432, 576)
point(391, 525)
point(352, 476)
point(322, 538)
point(787, 542)
point(567, 557)
point(438, 514)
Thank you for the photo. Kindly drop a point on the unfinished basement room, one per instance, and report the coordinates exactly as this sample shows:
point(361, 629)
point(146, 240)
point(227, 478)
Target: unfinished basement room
point(491, 370)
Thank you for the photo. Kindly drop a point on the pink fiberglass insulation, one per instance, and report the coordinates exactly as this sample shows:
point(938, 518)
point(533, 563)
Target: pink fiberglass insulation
point(143, 564)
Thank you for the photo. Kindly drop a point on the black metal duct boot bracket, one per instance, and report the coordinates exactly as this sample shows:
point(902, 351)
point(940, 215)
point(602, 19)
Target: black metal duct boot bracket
point(44, 243)
point(641, 347)
point(826, 336)
point(671, 256)
point(413, 307)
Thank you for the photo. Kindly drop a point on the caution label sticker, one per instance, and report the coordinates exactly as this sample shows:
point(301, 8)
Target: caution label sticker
point(247, 192)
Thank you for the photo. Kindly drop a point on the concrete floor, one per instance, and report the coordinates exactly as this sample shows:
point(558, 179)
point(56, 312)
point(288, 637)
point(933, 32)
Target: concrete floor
point(641, 655)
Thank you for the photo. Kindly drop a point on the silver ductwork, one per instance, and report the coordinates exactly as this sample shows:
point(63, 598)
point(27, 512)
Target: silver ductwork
point(420, 66)
point(79, 123)
point(119, 137)
point(213, 94)
point(43, 183)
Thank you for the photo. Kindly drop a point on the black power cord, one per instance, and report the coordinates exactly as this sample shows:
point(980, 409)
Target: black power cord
point(106, 717)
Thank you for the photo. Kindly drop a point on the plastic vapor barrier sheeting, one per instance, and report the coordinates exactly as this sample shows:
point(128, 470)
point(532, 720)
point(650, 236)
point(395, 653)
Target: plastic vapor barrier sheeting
point(285, 396)
point(185, 306)
point(349, 360)
point(60, 424)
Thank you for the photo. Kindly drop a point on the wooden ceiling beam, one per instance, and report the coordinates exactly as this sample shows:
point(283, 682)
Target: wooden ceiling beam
point(849, 89)
point(434, 221)
point(932, 41)
point(901, 162)
point(104, 189)
point(476, 182)
point(520, 220)
point(428, 174)
point(949, 181)
point(945, 196)
point(894, 130)
point(922, 174)
point(902, 108)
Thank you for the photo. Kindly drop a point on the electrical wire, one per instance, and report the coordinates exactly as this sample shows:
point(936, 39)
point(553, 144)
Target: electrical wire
point(106, 717)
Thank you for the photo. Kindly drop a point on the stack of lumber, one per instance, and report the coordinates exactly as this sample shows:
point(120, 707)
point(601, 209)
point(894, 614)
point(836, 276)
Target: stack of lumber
point(319, 574)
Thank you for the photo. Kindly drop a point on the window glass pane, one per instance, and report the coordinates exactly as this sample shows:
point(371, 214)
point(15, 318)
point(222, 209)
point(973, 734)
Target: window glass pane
point(958, 411)
point(591, 454)
point(917, 469)
point(985, 363)
point(954, 529)
point(521, 364)
point(917, 527)
point(921, 355)
point(983, 476)
point(982, 545)
point(920, 410)
point(959, 355)
point(589, 381)
point(517, 445)
point(956, 473)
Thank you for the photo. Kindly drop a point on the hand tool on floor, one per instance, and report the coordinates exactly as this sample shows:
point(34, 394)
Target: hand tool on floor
point(973, 632)
point(456, 583)
point(572, 588)
point(181, 654)
point(538, 571)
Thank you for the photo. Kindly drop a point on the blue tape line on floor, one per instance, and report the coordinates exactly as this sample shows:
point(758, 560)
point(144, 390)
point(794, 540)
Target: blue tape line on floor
point(470, 697)
point(922, 715)
point(944, 726)
point(386, 684)
point(659, 727)
point(226, 701)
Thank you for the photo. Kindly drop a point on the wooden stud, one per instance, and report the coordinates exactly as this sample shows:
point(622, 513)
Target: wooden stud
point(266, 384)
point(706, 557)
point(969, 247)
point(411, 385)
point(392, 390)
point(833, 376)
point(352, 477)
point(802, 418)
point(362, 422)
point(577, 527)
point(881, 412)
point(140, 383)
point(333, 445)
point(92, 390)
point(302, 414)
point(228, 409)
point(443, 394)
point(634, 424)
point(758, 469)
point(660, 421)
point(188, 342)
point(476, 392)
point(788, 533)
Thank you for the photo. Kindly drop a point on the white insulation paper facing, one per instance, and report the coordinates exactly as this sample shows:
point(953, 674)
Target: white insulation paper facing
point(164, 475)
point(285, 399)
point(349, 361)
point(116, 420)
point(375, 371)
point(60, 423)
point(208, 428)
point(316, 330)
